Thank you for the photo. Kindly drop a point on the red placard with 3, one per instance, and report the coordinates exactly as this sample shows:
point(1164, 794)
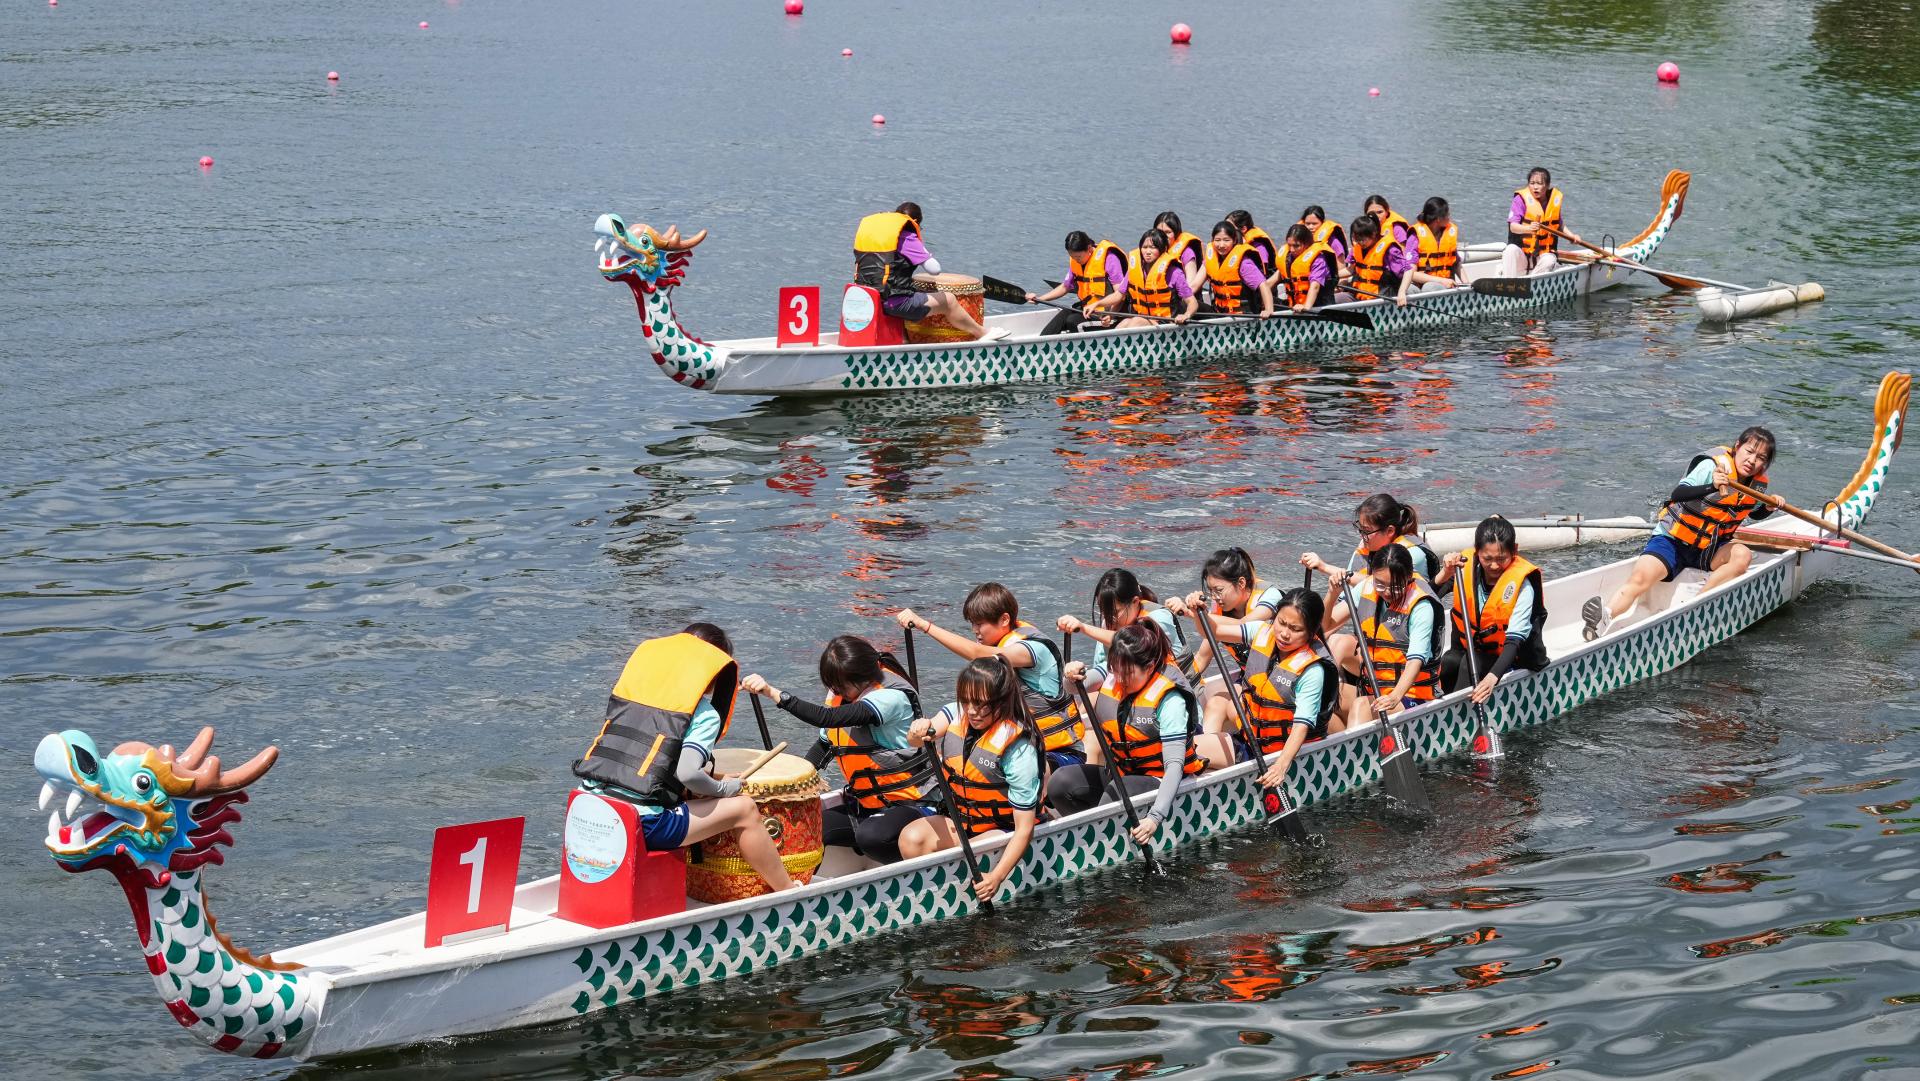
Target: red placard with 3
point(799, 315)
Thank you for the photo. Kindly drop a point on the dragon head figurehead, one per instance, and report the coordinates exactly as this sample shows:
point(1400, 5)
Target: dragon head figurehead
point(140, 811)
point(651, 264)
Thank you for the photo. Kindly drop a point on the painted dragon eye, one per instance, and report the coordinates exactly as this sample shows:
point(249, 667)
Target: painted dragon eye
point(142, 783)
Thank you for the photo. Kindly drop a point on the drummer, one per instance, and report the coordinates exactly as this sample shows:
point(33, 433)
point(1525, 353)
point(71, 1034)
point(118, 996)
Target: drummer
point(887, 252)
point(1096, 274)
point(680, 801)
point(991, 768)
point(864, 724)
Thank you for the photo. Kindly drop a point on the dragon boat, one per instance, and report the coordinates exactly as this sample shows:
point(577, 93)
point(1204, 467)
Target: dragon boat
point(652, 264)
point(158, 819)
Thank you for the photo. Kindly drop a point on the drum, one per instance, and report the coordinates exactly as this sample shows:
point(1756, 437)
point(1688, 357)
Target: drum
point(788, 791)
point(935, 328)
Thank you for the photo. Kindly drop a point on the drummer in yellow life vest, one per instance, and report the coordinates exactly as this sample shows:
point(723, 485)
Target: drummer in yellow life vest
point(672, 703)
point(1439, 245)
point(1308, 271)
point(1096, 275)
point(1156, 284)
point(1695, 529)
point(992, 770)
point(1236, 285)
point(1531, 249)
point(1507, 621)
point(887, 251)
point(865, 726)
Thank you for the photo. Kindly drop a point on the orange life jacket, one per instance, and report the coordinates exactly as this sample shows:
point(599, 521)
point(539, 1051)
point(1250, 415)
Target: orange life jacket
point(1132, 724)
point(1534, 243)
point(1057, 719)
point(1439, 255)
point(1090, 278)
point(1412, 543)
point(1389, 637)
point(1370, 267)
point(1180, 245)
point(1264, 246)
point(1396, 227)
point(978, 775)
point(878, 775)
point(1710, 521)
point(1223, 278)
point(1270, 690)
point(1148, 291)
point(1328, 232)
point(1299, 268)
point(1493, 615)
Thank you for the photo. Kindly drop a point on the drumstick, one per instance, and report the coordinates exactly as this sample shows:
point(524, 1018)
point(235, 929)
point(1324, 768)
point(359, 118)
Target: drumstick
point(762, 759)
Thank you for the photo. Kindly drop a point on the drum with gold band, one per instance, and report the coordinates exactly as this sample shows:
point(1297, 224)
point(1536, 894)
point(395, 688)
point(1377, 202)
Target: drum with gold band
point(935, 328)
point(788, 791)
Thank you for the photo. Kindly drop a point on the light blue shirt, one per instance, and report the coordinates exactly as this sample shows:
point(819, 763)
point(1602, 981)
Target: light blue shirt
point(1420, 636)
point(1021, 765)
point(1421, 567)
point(1043, 676)
point(1159, 615)
point(892, 717)
point(703, 731)
point(1308, 688)
point(1269, 598)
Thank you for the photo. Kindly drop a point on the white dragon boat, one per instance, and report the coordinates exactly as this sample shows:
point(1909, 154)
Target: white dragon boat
point(652, 264)
point(157, 819)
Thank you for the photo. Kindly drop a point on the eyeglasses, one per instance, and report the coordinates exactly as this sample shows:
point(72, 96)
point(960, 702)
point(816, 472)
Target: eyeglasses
point(1364, 531)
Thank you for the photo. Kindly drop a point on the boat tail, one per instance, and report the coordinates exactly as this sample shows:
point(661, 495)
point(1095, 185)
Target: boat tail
point(651, 264)
point(1856, 500)
point(1673, 200)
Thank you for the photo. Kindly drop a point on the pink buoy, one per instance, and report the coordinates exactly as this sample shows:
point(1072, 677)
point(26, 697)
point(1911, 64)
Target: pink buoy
point(423, 26)
point(333, 76)
point(1373, 91)
point(796, 7)
point(846, 52)
point(1181, 33)
point(878, 119)
point(206, 162)
point(1668, 72)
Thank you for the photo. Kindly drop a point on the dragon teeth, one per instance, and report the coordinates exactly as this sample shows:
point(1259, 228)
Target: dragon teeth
point(73, 803)
point(46, 795)
point(53, 826)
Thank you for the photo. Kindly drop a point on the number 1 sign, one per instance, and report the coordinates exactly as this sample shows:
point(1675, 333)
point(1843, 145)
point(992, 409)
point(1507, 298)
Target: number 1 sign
point(470, 878)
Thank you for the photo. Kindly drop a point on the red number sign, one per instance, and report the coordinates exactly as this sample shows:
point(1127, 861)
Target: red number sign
point(799, 315)
point(471, 877)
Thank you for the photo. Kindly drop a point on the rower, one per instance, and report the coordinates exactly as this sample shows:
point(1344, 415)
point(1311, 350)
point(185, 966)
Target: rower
point(1155, 282)
point(1392, 225)
point(887, 251)
point(1531, 249)
point(1237, 594)
point(992, 771)
point(1400, 617)
point(1234, 277)
point(656, 749)
point(1509, 616)
point(1257, 238)
point(1308, 269)
point(864, 725)
point(1439, 241)
point(1382, 522)
point(1380, 265)
point(1096, 273)
point(1291, 689)
point(1184, 245)
point(1324, 231)
point(1695, 529)
point(1147, 710)
point(993, 612)
point(1119, 601)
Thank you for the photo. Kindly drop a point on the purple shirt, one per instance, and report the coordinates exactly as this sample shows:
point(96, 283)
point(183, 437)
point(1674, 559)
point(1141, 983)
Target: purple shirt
point(1250, 276)
point(1339, 248)
point(1180, 287)
point(1401, 259)
point(1405, 236)
point(1116, 273)
point(1518, 213)
point(913, 249)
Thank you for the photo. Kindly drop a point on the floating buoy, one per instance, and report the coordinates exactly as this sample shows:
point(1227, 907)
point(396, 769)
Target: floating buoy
point(53, 3)
point(1668, 72)
point(795, 7)
point(1181, 33)
point(846, 52)
point(206, 162)
point(878, 119)
point(1373, 91)
point(333, 76)
point(423, 26)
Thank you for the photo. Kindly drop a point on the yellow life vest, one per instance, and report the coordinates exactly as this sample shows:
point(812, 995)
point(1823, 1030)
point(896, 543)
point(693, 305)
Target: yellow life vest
point(1439, 255)
point(877, 262)
point(1148, 291)
point(1534, 243)
point(649, 712)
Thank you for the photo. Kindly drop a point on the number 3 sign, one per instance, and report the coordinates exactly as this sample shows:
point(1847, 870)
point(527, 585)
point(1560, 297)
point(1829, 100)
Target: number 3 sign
point(471, 877)
point(799, 315)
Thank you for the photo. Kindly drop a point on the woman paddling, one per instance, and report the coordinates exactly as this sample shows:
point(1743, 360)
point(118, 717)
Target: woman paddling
point(1187, 249)
point(991, 767)
point(1400, 619)
point(1308, 271)
point(864, 723)
point(1257, 238)
point(1119, 601)
point(1147, 710)
point(1508, 621)
point(1237, 595)
point(1155, 283)
point(1392, 225)
point(1379, 264)
point(1292, 688)
point(1096, 275)
point(1325, 232)
point(1695, 530)
point(1235, 283)
point(1380, 520)
point(1439, 245)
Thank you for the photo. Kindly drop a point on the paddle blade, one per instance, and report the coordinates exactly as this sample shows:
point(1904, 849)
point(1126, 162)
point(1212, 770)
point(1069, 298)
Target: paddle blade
point(1357, 320)
point(1401, 778)
point(1512, 288)
point(1003, 291)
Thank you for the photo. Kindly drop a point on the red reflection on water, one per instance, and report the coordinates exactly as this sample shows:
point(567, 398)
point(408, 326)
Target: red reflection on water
point(1527, 1070)
point(1476, 977)
point(1522, 1030)
point(1725, 877)
point(1399, 954)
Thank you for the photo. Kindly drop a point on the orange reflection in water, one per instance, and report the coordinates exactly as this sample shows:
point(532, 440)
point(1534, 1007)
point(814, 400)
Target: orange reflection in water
point(1729, 877)
point(1399, 954)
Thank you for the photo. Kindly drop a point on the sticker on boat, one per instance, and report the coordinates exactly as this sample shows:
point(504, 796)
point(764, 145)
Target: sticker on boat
point(596, 843)
point(856, 309)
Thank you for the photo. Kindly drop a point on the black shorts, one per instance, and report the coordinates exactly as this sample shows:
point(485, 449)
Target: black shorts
point(912, 307)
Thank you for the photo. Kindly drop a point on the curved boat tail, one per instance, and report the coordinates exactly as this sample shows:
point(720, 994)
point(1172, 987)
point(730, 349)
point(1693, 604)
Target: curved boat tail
point(1673, 200)
point(651, 264)
point(1855, 501)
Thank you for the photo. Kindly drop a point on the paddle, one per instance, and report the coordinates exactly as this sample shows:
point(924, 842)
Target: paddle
point(1510, 288)
point(1397, 769)
point(1788, 542)
point(1413, 299)
point(1357, 320)
point(1280, 809)
point(1833, 526)
point(760, 716)
point(1116, 781)
point(761, 759)
point(1486, 741)
point(1665, 277)
point(913, 666)
point(952, 811)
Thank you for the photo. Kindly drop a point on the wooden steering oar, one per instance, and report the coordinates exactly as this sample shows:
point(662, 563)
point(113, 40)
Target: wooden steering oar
point(1397, 770)
point(1664, 277)
point(1281, 811)
point(1830, 526)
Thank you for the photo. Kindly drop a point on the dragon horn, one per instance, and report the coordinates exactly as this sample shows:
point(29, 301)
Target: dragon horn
point(255, 768)
point(671, 240)
point(190, 758)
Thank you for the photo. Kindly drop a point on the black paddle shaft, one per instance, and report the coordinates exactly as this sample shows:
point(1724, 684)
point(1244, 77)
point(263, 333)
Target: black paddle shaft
point(1402, 781)
point(760, 716)
point(952, 810)
point(913, 665)
point(1471, 647)
point(1280, 810)
point(1116, 781)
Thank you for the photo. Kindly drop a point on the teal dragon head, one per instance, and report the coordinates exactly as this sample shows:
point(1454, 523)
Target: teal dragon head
point(140, 810)
point(640, 253)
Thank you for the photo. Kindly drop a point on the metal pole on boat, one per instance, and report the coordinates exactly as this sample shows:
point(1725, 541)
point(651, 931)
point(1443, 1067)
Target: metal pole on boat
point(1397, 769)
point(1280, 808)
point(1486, 742)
